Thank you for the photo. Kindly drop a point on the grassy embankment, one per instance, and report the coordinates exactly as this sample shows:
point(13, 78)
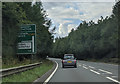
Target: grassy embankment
point(105, 60)
point(30, 75)
point(0, 63)
point(16, 63)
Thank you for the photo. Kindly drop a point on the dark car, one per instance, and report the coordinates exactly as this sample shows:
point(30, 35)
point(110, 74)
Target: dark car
point(69, 60)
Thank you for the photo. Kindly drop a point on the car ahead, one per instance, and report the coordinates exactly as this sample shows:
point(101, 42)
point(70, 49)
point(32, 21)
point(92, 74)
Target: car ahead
point(69, 60)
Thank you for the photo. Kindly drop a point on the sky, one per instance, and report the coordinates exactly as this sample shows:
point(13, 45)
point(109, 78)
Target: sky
point(68, 15)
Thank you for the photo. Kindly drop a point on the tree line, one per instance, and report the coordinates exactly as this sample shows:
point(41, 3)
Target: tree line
point(92, 40)
point(17, 13)
point(88, 41)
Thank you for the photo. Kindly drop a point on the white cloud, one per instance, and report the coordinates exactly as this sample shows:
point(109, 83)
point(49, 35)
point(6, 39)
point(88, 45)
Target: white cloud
point(62, 30)
point(33, 2)
point(93, 11)
point(61, 12)
point(69, 15)
point(70, 27)
point(77, 0)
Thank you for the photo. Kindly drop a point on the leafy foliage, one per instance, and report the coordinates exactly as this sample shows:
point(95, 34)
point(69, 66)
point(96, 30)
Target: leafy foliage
point(91, 40)
point(15, 14)
point(88, 41)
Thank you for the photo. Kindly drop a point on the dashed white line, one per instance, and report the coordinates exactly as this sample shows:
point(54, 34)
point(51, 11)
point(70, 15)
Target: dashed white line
point(91, 67)
point(79, 65)
point(113, 79)
point(85, 67)
point(114, 76)
point(94, 71)
point(105, 71)
point(113, 64)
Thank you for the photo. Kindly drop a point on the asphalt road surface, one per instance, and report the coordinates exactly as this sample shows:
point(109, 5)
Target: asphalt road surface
point(86, 72)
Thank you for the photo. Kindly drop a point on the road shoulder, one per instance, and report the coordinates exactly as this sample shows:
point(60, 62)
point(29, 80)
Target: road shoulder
point(45, 76)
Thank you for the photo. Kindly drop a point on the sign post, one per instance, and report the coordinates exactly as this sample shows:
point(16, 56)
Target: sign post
point(26, 39)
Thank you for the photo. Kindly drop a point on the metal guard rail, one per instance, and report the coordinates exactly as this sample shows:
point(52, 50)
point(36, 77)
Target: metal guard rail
point(10, 71)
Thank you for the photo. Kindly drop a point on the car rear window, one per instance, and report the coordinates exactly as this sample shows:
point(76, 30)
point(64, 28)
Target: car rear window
point(69, 57)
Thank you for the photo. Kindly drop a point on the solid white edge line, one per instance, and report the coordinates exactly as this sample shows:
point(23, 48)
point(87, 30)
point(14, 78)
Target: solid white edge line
point(94, 71)
point(113, 80)
point(105, 71)
point(51, 74)
point(85, 67)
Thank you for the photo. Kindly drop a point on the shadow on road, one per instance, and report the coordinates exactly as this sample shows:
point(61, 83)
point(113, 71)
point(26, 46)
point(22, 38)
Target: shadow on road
point(67, 67)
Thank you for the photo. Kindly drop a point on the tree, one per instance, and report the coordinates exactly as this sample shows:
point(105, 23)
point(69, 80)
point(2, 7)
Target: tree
point(12, 17)
point(16, 14)
point(92, 40)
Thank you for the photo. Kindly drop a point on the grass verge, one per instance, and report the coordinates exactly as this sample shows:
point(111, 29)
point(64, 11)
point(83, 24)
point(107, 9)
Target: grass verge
point(16, 63)
point(105, 60)
point(30, 75)
point(0, 63)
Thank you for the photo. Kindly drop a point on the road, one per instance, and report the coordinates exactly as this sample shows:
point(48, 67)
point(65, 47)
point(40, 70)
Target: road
point(86, 72)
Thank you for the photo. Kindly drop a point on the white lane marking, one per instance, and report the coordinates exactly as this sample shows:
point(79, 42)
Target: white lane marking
point(94, 71)
point(79, 65)
point(85, 67)
point(105, 71)
point(91, 67)
point(51, 74)
point(114, 76)
point(113, 64)
point(113, 80)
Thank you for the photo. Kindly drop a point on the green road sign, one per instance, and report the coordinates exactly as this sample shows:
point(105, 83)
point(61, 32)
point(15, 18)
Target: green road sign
point(26, 39)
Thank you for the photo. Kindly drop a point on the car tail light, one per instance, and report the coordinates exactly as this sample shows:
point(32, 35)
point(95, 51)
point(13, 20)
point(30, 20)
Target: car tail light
point(75, 61)
point(63, 61)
